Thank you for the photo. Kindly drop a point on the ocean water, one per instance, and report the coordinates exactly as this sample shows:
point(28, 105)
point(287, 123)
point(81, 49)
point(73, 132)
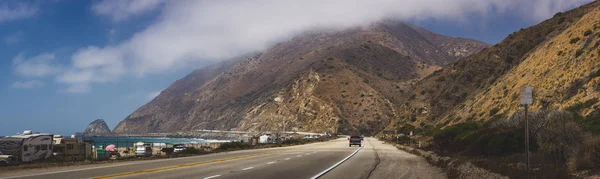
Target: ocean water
point(130, 141)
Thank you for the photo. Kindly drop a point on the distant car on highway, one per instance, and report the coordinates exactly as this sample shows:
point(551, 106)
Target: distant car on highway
point(355, 140)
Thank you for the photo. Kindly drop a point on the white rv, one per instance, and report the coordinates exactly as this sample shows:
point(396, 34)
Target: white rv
point(28, 146)
point(265, 139)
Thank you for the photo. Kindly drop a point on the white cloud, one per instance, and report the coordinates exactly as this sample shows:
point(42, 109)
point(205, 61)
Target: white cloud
point(93, 65)
point(13, 38)
point(37, 66)
point(16, 12)
point(27, 84)
point(192, 30)
point(119, 10)
point(78, 88)
point(152, 95)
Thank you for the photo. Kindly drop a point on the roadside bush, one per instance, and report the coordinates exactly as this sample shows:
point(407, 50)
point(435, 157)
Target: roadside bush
point(295, 141)
point(191, 150)
point(560, 137)
point(589, 154)
point(168, 151)
point(234, 146)
point(450, 138)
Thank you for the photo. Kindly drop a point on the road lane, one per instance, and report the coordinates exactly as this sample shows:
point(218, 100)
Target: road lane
point(374, 160)
point(302, 162)
point(205, 165)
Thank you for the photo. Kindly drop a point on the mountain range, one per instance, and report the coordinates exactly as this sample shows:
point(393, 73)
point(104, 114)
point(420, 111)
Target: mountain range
point(348, 81)
point(387, 76)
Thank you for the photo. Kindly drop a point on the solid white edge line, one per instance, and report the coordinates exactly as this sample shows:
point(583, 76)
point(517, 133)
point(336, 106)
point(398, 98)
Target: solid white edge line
point(335, 165)
point(248, 168)
point(214, 176)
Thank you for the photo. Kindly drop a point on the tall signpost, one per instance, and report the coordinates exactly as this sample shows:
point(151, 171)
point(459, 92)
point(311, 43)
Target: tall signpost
point(527, 99)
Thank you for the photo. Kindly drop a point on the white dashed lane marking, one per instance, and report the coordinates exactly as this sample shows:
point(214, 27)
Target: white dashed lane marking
point(214, 176)
point(270, 163)
point(287, 158)
point(248, 168)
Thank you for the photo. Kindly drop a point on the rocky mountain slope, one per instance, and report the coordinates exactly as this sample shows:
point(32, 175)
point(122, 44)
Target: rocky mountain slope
point(559, 58)
point(97, 127)
point(320, 81)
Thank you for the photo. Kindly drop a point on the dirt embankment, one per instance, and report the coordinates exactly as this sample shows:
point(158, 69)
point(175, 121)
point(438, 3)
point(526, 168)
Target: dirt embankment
point(454, 168)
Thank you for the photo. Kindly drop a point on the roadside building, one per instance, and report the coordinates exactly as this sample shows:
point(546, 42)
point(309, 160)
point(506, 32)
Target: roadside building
point(72, 149)
point(28, 146)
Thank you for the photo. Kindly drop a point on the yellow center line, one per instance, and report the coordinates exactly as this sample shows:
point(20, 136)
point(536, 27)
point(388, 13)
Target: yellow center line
point(182, 166)
point(204, 162)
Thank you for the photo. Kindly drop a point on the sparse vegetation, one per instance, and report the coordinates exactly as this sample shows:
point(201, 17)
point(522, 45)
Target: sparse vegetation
point(587, 32)
point(441, 79)
point(557, 143)
point(578, 52)
point(330, 58)
point(234, 146)
point(574, 40)
point(493, 111)
point(559, 53)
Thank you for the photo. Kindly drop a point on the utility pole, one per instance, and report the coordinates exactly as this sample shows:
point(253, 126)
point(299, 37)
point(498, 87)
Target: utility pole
point(527, 138)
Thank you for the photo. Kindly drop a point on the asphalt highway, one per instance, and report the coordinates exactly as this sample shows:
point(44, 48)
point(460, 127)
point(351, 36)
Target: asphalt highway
point(332, 159)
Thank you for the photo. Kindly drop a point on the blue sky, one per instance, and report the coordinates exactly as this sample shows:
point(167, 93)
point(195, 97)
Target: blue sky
point(65, 63)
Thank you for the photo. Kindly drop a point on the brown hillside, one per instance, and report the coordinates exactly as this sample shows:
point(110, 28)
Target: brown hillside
point(486, 85)
point(344, 81)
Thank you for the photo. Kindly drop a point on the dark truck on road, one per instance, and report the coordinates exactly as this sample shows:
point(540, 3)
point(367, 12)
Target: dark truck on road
point(355, 140)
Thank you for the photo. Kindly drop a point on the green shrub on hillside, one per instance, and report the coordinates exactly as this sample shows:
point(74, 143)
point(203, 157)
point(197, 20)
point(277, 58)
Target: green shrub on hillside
point(578, 52)
point(587, 32)
point(574, 40)
point(493, 111)
point(441, 79)
point(595, 74)
point(577, 107)
point(591, 122)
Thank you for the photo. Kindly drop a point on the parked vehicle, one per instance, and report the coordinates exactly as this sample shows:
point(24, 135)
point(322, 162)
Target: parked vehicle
point(28, 146)
point(178, 148)
point(143, 150)
point(355, 140)
point(6, 160)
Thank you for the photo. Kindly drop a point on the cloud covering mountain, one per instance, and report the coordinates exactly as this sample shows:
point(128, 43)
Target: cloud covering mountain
point(188, 31)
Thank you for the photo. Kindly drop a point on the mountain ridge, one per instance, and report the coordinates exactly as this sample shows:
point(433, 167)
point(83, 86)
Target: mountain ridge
point(300, 80)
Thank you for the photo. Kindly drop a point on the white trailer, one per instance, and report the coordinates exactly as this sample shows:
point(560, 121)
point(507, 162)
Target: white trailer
point(28, 146)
